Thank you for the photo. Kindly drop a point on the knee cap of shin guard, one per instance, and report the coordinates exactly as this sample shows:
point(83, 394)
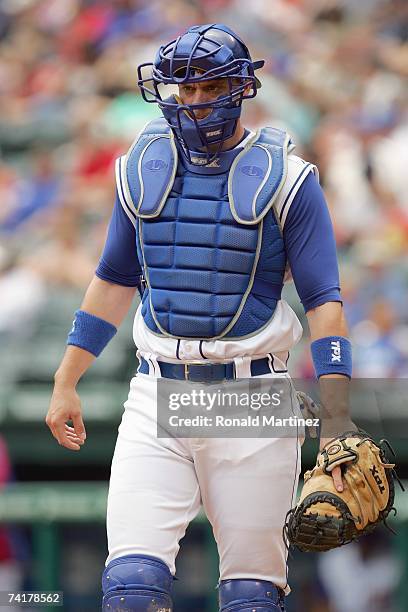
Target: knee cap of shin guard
point(249, 595)
point(138, 583)
point(136, 601)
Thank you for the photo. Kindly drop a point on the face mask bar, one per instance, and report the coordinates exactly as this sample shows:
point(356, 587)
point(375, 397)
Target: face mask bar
point(156, 78)
point(163, 56)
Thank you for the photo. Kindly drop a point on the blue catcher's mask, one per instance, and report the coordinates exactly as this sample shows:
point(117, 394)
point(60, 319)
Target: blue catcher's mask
point(204, 53)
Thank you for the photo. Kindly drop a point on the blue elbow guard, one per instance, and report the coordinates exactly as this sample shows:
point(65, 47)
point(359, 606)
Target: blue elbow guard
point(90, 332)
point(332, 355)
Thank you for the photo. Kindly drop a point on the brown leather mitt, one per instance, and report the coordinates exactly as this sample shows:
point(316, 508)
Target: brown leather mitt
point(325, 518)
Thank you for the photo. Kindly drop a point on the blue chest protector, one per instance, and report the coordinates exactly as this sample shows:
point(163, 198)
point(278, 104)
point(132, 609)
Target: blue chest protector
point(207, 237)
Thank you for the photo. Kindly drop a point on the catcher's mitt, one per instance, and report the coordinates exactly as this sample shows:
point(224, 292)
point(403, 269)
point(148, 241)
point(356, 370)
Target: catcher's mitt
point(325, 518)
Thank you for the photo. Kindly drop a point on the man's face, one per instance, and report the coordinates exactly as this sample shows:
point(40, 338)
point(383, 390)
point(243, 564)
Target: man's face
point(199, 93)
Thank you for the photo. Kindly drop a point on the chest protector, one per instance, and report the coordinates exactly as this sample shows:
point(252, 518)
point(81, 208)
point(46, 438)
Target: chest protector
point(208, 241)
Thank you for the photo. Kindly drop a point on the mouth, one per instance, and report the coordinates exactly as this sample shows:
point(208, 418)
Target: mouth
point(202, 113)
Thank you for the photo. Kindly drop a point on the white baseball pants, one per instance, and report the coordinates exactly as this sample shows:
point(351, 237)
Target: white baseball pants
point(245, 485)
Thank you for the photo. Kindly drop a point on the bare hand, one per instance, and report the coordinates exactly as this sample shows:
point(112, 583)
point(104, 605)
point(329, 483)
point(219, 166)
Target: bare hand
point(65, 406)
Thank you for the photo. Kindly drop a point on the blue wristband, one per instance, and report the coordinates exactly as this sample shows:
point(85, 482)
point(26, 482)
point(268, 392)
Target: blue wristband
point(90, 332)
point(332, 355)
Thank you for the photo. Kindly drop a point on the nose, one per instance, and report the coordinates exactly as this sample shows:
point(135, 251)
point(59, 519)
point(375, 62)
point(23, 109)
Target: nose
point(200, 97)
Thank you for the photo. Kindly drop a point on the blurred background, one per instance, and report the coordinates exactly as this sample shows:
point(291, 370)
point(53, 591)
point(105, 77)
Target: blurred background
point(335, 78)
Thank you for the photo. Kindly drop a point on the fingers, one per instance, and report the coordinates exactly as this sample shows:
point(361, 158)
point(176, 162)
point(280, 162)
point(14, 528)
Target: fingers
point(337, 479)
point(79, 426)
point(323, 442)
point(66, 435)
point(71, 435)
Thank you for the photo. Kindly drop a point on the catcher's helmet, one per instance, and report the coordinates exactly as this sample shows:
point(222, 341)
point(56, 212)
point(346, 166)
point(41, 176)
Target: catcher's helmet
point(203, 53)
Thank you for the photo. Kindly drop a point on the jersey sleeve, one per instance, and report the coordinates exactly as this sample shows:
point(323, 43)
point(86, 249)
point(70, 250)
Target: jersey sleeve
point(310, 246)
point(119, 263)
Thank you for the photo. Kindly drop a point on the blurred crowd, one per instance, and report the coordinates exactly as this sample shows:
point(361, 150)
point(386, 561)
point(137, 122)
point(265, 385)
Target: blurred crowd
point(11, 566)
point(335, 78)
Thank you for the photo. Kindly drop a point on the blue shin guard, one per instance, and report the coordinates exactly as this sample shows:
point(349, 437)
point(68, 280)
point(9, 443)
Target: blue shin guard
point(137, 583)
point(247, 595)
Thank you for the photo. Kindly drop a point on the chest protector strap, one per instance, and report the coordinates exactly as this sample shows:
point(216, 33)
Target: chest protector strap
point(255, 179)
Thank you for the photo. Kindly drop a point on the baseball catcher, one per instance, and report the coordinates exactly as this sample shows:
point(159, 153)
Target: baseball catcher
point(210, 220)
